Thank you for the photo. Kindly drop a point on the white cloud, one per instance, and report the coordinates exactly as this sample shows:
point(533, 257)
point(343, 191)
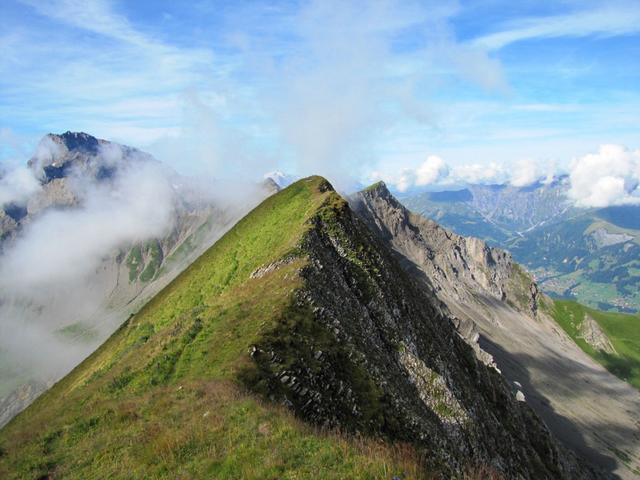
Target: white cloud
point(478, 173)
point(475, 64)
point(432, 171)
point(66, 244)
point(524, 173)
point(17, 185)
point(608, 177)
point(520, 173)
point(342, 85)
point(405, 180)
point(435, 171)
point(46, 153)
point(95, 16)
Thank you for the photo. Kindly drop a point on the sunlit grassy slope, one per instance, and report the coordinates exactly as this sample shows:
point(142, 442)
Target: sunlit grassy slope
point(623, 331)
point(160, 398)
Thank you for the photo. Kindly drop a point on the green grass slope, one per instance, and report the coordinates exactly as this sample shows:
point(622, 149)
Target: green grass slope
point(623, 331)
point(161, 399)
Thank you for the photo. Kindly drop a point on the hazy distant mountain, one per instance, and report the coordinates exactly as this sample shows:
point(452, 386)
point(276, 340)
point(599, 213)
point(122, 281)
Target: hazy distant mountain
point(587, 254)
point(280, 178)
point(124, 224)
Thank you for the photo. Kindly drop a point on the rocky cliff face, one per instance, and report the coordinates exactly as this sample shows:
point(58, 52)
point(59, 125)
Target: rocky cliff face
point(19, 399)
point(459, 268)
point(498, 309)
point(366, 348)
point(464, 273)
point(521, 207)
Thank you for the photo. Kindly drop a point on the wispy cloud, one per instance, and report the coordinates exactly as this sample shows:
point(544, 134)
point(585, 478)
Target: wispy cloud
point(603, 21)
point(96, 16)
point(83, 66)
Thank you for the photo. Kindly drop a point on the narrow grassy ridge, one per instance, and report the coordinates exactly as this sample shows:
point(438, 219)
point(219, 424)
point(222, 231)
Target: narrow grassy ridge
point(622, 331)
point(161, 398)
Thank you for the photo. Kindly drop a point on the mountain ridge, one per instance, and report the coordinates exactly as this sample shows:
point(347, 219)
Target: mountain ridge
point(528, 336)
point(336, 317)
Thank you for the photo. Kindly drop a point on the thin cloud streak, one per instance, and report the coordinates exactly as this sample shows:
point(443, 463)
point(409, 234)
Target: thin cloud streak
point(608, 21)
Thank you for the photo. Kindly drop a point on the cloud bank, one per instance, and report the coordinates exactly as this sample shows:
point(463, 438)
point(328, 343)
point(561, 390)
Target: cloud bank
point(64, 244)
point(347, 84)
point(53, 273)
point(478, 173)
point(60, 268)
point(431, 171)
point(608, 177)
point(17, 185)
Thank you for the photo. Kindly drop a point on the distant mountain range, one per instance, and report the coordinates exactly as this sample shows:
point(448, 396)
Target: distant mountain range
point(590, 255)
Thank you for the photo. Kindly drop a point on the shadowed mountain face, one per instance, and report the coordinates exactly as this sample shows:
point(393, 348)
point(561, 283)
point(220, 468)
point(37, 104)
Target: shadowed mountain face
point(590, 255)
point(498, 309)
point(150, 224)
point(302, 305)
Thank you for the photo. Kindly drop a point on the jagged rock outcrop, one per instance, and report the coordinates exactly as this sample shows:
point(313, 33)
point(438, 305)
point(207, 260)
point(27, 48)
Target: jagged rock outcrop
point(591, 332)
point(54, 193)
point(270, 185)
point(459, 268)
point(19, 399)
point(60, 156)
point(7, 225)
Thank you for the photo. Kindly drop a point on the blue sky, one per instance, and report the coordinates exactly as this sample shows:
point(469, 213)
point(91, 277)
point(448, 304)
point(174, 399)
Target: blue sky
point(355, 90)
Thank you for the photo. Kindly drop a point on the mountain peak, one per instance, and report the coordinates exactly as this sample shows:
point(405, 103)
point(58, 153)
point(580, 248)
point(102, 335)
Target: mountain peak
point(78, 141)
point(379, 187)
point(378, 192)
point(58, 155)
